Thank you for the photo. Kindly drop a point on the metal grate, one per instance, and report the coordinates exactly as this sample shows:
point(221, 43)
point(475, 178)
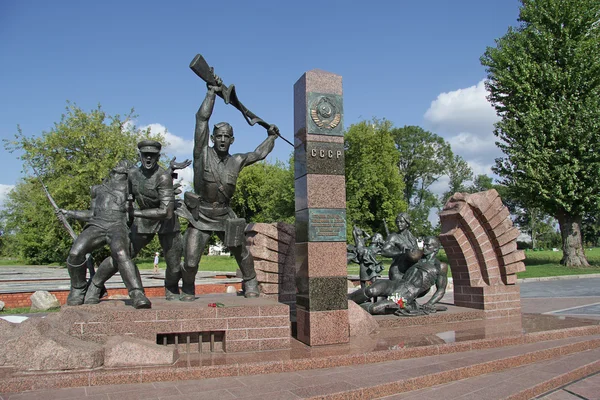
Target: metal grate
point(188, 342)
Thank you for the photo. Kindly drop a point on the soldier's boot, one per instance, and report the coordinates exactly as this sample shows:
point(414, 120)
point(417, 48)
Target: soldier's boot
point(250, 288)
point(96, 289)
point(368, 307)
point(359, 296)
point(139, 299)
point(78, 284)
point(188, 283)
point(250, 283)
point(133, 282)
point(170, 295)
point(172, 283)
point(93, 294)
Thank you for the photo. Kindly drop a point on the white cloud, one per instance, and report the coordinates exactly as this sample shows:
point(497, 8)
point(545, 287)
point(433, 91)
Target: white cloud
point(465, 118)
point(173, 144)
point(186, 179)
point(470, 145)
point(4, 189)
point(462, 110)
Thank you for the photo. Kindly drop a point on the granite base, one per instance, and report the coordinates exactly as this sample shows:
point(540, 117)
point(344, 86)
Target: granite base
point(238, 325)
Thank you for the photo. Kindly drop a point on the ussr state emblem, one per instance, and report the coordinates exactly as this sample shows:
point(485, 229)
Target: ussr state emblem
point(324, 113)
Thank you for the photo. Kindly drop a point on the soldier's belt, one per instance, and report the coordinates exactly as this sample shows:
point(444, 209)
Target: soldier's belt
point(215, 204)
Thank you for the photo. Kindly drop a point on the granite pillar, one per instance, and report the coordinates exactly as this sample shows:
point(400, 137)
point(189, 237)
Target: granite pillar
point(321, 274)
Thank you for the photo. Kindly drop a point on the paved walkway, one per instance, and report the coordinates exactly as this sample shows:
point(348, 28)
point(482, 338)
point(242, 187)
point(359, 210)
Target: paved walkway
point(569, 300)
point(19, 278)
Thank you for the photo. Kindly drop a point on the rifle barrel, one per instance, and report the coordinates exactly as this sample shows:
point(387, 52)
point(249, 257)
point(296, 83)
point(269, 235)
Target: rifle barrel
point(59, 215)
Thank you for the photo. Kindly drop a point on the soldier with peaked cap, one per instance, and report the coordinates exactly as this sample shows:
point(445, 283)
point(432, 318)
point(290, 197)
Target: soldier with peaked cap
point(153, 193)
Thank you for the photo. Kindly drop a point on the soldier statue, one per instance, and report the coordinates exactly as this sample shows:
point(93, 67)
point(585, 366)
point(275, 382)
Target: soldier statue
point(208, 207)
point(152, 189)
point(107, 221)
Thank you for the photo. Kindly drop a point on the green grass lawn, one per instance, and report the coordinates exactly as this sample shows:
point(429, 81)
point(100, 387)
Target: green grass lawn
point(207, 263)
point(24, 310)
point(538, 264)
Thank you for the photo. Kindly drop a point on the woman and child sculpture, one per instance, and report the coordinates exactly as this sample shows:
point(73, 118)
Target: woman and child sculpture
point(413, 272)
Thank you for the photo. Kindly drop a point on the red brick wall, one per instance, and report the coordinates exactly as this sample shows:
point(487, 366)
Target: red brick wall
point(481, 243)
point(14, 300)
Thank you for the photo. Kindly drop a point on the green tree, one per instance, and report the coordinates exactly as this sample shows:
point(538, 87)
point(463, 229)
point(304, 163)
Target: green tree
point(591, 229)
point(265, 193)
point(544, 81)
point(374, 187)
point(423, 159)
point(459, 172)
point(539, 226)
point(78, 152)
point(481, 183)
point(420, 225)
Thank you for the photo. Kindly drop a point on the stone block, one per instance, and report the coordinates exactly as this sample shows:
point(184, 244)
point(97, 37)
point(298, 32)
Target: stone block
point(280, 231)
point(317, 157)
point(482, 201)
point(320, 191)
point(515, 256)
point(262, 253)
point(126, 351)
point(508, 236)
point(507, 248)
point(323, 327)
point(311, 82)
point(257, 239)
point(498, 218)
point(322, 293)
point(514, 268)
point(43, 300)
point(268, 266)
point(38, 345)
point(361, 322)
point(321, 259)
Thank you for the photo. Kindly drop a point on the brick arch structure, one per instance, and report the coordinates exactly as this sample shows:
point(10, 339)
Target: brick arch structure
point(481, 243)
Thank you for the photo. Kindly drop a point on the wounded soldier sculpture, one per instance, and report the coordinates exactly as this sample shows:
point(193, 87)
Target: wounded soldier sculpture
point(400, 295)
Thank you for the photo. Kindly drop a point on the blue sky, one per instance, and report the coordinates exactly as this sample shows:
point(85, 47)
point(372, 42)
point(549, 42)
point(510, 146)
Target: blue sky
point(413, 63)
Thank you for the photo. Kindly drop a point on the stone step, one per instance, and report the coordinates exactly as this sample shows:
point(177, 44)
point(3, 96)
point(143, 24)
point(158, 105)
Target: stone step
point(539, 379)
point(560, 360)
point(448, 376)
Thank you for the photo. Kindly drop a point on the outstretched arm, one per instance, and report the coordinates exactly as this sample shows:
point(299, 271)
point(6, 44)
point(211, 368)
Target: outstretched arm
point(440, 284)
point(202, 116)
point(264, 148)
point(174, 165)
point(391, 247)
point(80, 215)
point(167, 201)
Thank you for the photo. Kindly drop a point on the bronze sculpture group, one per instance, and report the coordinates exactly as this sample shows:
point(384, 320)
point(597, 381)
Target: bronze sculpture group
point(146, 194)
point(412, 273)
point(136, 203)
